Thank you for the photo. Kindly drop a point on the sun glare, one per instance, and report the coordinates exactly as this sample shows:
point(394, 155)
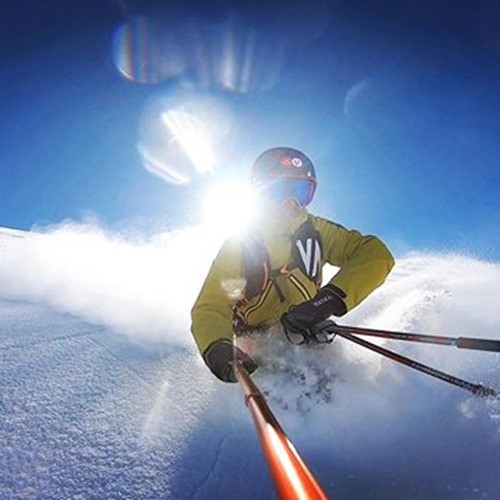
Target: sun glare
point(228, 208)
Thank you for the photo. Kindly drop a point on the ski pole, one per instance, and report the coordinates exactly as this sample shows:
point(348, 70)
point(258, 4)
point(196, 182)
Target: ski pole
point(292, 478)
point(460, 342)
point(477, 389)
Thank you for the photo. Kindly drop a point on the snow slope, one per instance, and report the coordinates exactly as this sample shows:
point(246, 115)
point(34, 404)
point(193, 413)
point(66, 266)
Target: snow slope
point(104, 396)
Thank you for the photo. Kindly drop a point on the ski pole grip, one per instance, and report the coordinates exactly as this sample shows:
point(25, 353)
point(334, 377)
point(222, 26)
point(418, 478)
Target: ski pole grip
point(478, 344)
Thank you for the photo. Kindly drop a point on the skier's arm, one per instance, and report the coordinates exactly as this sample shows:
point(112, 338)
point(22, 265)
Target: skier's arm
point(364, 261)
point(212, 314)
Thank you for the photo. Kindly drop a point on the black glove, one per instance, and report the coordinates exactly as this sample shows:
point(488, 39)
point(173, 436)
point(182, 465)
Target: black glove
point(220, 356)
point(327, 302)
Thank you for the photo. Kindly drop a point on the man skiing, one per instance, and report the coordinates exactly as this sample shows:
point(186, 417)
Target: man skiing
point(274, 271)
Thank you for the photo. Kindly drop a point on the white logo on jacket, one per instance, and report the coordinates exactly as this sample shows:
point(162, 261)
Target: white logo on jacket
point(310, 255)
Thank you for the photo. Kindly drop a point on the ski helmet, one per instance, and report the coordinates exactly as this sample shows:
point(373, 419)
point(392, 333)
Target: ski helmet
point(283, 173)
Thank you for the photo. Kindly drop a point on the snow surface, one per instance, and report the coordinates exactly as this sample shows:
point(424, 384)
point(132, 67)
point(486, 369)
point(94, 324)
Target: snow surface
point(104, 396)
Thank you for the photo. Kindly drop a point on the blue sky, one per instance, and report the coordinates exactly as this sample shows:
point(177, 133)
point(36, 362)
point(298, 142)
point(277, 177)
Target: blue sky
point(396, 102)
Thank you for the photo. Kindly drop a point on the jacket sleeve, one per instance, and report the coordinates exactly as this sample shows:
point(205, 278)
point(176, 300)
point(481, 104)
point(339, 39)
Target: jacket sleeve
point(364, 261)
point(212, 314)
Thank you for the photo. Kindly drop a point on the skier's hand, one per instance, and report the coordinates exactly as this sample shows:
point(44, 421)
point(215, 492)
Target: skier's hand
point(220, 357)
point(303, 317)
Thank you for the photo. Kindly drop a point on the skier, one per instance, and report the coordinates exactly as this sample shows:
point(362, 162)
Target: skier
point(274, 270)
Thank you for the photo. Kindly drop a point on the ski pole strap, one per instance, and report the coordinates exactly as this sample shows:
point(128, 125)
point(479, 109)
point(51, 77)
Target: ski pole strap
point(477, 389)
point(313, 336)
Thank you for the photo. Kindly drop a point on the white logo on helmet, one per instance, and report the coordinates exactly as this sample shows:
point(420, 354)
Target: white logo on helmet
point(297, 162)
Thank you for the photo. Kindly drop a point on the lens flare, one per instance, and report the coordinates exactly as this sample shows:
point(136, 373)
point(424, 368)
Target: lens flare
point(244, 59)
point(193, 137)
point(230, 54)
point(150, 51)
point(178, 140)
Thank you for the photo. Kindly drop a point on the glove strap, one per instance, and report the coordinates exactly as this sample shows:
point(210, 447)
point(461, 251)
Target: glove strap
point(313, 336)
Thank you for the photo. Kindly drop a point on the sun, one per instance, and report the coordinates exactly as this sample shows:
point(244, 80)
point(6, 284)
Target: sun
point(229, 207)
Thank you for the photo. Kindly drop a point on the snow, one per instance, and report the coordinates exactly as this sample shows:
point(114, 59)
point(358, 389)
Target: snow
point(104, 396)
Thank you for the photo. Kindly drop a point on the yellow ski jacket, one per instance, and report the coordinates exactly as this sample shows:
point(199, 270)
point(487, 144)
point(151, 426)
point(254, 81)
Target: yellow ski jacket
point(364, 263)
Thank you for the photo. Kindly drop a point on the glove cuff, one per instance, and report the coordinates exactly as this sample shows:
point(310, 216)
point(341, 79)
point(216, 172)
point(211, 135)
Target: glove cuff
point(219, 356)
point(330, 301)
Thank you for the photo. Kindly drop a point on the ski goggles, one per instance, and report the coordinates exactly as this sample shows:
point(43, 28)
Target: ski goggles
point(281, 189)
